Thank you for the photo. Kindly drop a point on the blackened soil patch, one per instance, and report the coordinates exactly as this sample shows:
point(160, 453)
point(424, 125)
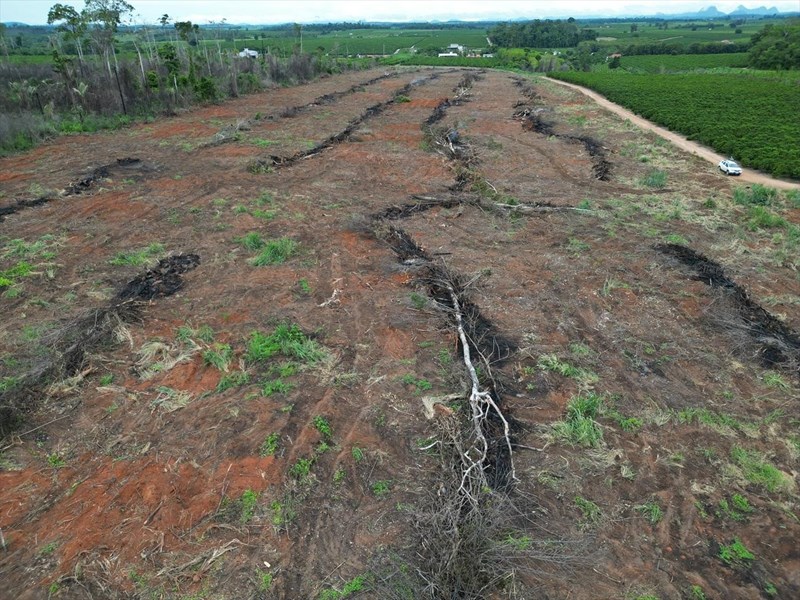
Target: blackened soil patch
point(70, 344)
point(493, 349)
point(776, 343)
point(85, 183)
point(358, 87)
point(532, 121)
point(491, 345)
point(76, 187)
point(484, 340)
point(327, 99)
point(526, 89)
point(21, 205)
point(404, 246)
point(601, 168)
point(342, 136)
point(163, 280)
point(462, 91)
point(423, 204)
point(438, 113)
point(482, 334)
point(467, 80)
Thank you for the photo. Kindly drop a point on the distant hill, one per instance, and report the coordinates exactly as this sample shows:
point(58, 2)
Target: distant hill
point(712, 12)
point(761, 10)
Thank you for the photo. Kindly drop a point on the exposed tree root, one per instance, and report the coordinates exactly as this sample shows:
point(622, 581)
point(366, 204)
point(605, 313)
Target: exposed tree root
point(492, 432)
point(422, 204)
point(481, 403)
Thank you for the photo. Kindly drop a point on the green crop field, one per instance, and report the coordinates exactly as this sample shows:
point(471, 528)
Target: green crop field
point(677, 32)
point(668, 63)
point(754, 119)
point(356, 41)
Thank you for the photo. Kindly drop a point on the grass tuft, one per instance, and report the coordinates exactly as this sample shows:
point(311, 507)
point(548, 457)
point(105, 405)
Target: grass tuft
point(219, 356)
point(758, 471)
point(580, 427)
point(137, 258)
point(655, 179)
point(232, 380)
point(756, 195)
point(736, 554)
point(252, 241)
point(275, 252)
point(288, 340)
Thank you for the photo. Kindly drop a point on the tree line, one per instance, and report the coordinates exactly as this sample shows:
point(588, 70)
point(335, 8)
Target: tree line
point(87, 86)
point(776, 47)
point(540, 34)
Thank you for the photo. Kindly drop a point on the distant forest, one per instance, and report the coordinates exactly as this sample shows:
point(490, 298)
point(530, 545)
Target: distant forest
point(540, 34)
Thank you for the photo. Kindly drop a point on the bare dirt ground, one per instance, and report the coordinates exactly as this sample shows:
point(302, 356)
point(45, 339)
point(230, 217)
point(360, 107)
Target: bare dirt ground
point(159, 457)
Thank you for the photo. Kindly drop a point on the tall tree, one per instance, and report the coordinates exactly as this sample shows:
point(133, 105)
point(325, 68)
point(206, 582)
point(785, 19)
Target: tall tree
point(3, 42)
point(71, 24)
point(106, 16)
point(777, 46)
point(298, 34)
point(187, 31)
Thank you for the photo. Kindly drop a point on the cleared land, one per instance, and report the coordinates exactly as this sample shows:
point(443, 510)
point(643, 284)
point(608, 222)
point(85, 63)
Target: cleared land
point(239, 365)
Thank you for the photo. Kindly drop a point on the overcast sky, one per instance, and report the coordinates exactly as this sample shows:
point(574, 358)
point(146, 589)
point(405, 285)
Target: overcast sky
point(306, 11)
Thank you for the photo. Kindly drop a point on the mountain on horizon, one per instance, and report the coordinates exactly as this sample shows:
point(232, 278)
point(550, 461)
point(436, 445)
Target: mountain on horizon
point(712, 12)
point(761, 10)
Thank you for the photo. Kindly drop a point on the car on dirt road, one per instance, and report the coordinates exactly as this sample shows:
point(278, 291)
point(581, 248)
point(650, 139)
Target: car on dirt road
point(729, 167)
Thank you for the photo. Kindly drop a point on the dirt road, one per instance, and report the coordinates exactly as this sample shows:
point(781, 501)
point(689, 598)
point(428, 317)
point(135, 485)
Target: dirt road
point(708, 154)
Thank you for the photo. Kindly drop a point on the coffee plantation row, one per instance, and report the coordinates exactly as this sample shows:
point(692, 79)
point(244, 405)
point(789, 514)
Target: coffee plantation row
point(753, 119)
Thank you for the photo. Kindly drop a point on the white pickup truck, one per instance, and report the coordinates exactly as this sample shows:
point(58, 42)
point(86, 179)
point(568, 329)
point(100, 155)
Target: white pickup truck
point(729, 167)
